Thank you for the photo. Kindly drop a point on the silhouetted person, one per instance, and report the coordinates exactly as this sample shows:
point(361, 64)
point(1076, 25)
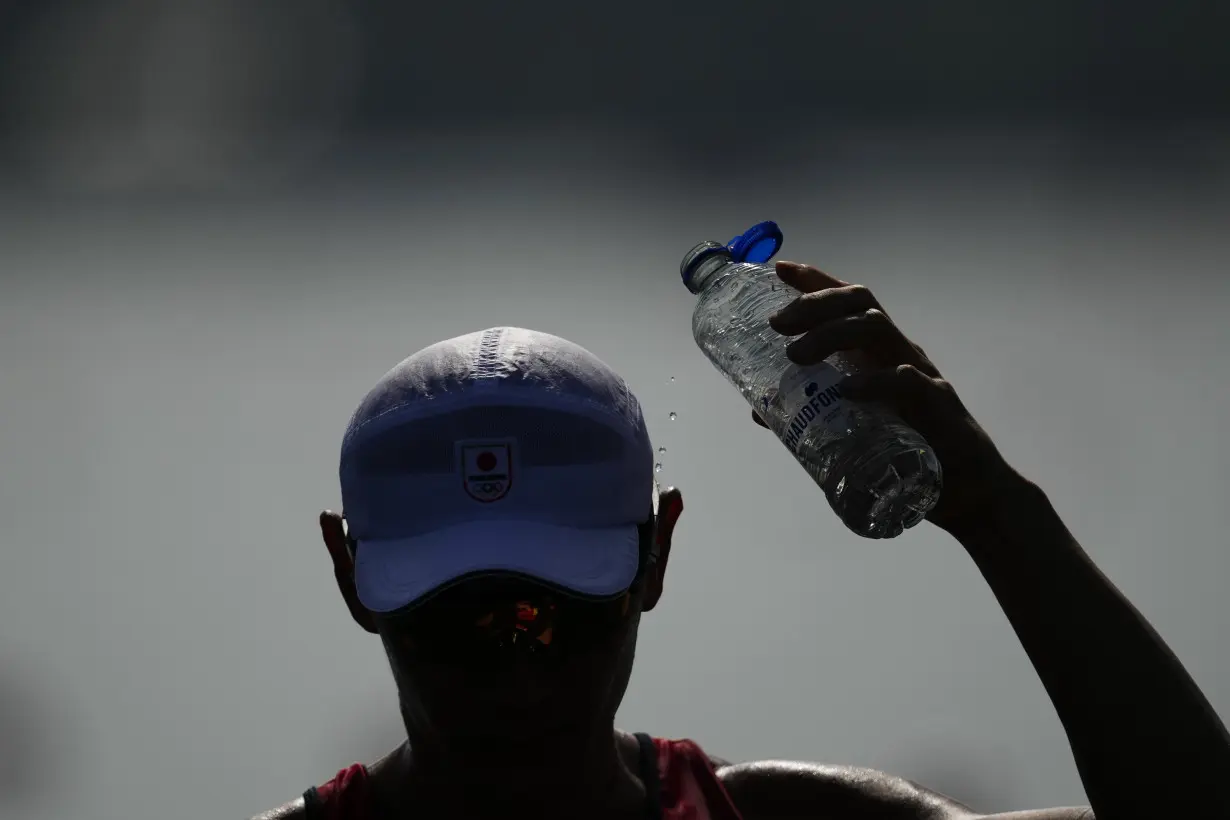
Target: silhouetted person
point(503, 535)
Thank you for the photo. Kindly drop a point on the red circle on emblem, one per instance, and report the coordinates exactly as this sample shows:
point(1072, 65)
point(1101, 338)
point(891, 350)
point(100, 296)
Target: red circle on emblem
point(486, 462)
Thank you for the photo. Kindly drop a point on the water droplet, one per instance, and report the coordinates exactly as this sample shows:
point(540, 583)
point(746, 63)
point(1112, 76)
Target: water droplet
point(657, 468)
point(672, 378)
point(673, 416)
point(661, 451)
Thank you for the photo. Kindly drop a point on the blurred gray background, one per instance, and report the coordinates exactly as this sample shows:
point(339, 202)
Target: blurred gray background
point(221, 221)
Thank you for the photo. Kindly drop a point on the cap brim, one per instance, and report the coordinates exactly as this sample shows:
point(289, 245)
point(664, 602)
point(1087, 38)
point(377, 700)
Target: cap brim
point(598, 563)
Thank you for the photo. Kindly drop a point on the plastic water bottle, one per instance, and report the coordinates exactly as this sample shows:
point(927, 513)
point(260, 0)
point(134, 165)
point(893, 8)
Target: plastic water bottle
point(879, 475)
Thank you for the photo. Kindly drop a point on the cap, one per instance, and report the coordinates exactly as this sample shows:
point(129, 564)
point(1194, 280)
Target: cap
point(503, 450)
point(758, 244)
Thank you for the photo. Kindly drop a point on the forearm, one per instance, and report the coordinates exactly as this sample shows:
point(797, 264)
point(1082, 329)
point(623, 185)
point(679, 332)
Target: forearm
point(1145, 740)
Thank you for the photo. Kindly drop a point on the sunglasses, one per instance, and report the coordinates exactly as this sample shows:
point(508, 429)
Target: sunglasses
point(485, 619)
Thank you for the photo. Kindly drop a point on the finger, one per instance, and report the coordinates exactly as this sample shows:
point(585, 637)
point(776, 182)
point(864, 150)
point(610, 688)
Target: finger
point(806, 278)
point(871, 333)
point(812, 309)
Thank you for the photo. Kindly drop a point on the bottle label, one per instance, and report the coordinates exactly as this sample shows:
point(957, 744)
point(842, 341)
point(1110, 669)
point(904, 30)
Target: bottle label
point(810, 396)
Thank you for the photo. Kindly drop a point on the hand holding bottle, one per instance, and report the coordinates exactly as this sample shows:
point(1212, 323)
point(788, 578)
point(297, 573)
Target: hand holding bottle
point(832, 316)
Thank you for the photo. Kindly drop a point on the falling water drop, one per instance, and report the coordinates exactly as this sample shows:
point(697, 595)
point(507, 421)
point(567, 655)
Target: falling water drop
point(672, 378)
point(661, 451)
point(657, 468)
point(673, 416)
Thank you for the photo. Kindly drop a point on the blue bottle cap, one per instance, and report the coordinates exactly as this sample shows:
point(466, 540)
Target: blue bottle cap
point(758, 243)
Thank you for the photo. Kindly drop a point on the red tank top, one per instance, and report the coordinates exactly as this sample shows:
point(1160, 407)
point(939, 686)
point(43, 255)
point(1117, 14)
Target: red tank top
point(681, 782)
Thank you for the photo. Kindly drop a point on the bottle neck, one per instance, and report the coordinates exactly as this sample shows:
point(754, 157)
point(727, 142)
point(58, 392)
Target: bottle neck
point(707, 272)
point(702, 264)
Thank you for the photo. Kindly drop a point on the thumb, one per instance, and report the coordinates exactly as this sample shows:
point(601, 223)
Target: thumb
point(806, 278)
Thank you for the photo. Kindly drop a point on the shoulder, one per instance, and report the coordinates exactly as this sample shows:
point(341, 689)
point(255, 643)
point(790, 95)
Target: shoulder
point(294, 810)
point(769, 789)
point(370, 780)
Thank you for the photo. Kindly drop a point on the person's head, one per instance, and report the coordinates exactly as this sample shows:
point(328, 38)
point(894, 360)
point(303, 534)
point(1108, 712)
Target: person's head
point(502, 533)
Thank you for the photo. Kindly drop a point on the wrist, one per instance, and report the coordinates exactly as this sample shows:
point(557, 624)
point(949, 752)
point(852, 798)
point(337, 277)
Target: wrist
point(1007, 499)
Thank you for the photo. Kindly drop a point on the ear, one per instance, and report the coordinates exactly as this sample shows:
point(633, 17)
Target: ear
point(333, 530)
point(670, 507)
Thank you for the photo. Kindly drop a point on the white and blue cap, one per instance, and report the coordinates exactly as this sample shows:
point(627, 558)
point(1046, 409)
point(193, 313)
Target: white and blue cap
point(501, 451)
